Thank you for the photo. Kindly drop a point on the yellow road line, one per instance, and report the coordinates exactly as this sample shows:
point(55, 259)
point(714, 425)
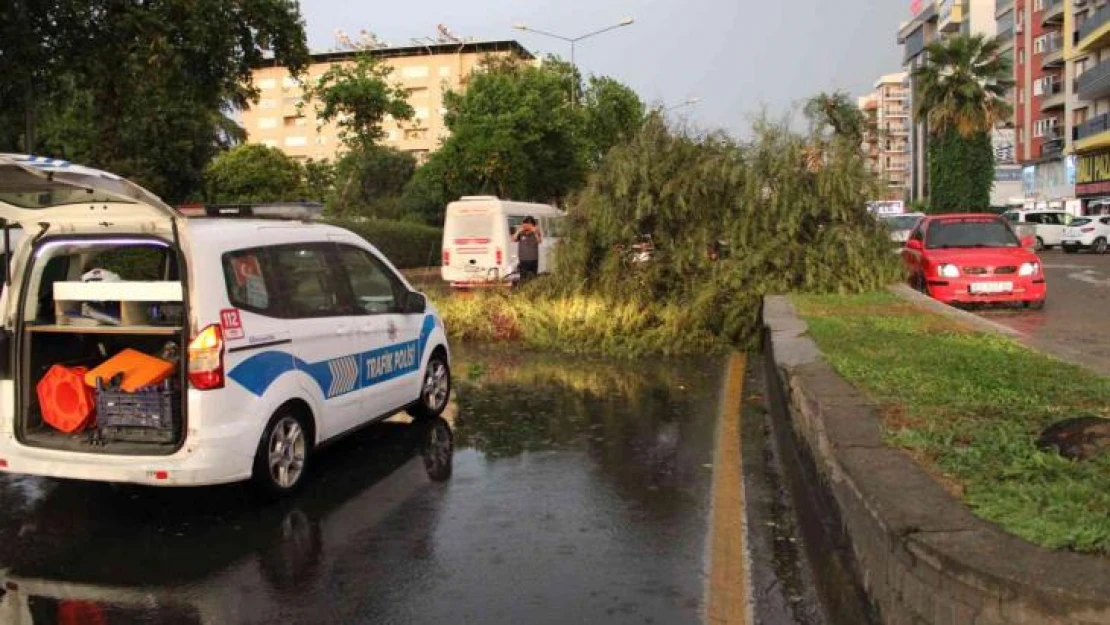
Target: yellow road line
point(728, 598)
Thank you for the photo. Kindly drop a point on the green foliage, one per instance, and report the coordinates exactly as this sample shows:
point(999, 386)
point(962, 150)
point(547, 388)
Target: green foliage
point(613, 114)
point(961, 172)
point(255, 173)
point(359, 97)
point(515, 134)
point(369, 182)
point(405, 244)
point(785, 221)
point(141, 89)
point(319, 179)
point(918, 206)
point(836, 111)
point(963, 85)
point(970, 406)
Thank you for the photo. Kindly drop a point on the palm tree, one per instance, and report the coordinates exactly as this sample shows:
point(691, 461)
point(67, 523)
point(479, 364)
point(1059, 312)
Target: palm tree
point(963, 85)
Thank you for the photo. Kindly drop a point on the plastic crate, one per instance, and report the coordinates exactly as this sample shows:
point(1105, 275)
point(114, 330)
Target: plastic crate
point(147, 415)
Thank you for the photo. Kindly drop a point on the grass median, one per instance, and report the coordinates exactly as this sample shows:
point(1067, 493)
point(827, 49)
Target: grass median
point(969, 406)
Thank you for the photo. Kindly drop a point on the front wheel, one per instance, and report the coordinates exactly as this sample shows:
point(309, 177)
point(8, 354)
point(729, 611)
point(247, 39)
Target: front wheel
point(282, 458)
point(1100, 246)
point(1035, 305)
point(434, 390)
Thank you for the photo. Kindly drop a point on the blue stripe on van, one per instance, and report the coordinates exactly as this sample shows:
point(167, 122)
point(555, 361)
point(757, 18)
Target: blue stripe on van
point(336, 376)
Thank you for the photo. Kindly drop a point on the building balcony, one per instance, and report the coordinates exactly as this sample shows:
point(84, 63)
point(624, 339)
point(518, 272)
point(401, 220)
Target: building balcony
point(1002, 7)
point(1052, 145)
point(950, 14)
point(1053, 12)
point(1053, 97)
point(1093, 133)
point(1007, 39)
point(1094, 83)
point(1095, 32)
point(1052, 56)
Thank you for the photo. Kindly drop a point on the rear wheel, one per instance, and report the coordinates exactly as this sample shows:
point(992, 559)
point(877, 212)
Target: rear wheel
point(434, 390)
point(282, 458)
point(1100, 246)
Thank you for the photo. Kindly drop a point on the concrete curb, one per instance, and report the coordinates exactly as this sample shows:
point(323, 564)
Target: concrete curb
point(923, 556)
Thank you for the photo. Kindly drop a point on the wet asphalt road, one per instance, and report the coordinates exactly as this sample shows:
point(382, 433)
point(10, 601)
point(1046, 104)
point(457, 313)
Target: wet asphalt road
point(1075, 319)
point(580, 494)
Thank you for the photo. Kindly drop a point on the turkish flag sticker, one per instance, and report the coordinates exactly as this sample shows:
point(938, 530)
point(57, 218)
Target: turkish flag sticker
point(231, 323)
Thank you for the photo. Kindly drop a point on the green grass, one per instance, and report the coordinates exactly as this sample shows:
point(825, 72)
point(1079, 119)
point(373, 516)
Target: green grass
point(970, 406)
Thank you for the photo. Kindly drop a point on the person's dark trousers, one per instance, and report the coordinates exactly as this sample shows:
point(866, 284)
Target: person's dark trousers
point(529, 269)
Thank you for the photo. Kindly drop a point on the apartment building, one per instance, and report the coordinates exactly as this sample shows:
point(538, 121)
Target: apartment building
point(886, 139)
point(427, 72)
point(1088, 51)
point(936, 19)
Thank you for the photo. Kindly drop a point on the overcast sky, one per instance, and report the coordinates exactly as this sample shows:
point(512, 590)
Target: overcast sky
point(735, 55)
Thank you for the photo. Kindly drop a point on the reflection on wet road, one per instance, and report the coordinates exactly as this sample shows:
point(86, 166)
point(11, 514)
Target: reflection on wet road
point(1073, 322)
point(580, 493)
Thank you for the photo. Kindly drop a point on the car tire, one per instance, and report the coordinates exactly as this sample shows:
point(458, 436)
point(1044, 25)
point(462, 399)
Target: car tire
point(282, 459)
point(1039, 245)
point(1035, 305)
point(1099, 246)
point(435, 389)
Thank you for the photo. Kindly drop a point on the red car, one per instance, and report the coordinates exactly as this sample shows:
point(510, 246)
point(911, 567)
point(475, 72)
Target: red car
point(969, 258)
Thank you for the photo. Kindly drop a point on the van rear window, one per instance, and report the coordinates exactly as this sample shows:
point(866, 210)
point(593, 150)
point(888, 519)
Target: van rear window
point(470, 226)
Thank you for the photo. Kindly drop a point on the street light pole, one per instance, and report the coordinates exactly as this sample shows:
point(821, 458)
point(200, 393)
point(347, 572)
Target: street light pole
point(572, 41)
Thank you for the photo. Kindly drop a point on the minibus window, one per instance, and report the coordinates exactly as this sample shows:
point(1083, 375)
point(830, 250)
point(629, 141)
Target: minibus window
point(471, 226)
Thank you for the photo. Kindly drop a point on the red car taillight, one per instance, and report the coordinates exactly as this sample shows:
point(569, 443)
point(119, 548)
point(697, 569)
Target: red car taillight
point(206, 359)
point(499, 257)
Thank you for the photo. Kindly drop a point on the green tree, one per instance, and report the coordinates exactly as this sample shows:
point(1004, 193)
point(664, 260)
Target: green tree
point(358, 96)
point(962, 94)
point(836, 111)
point(319, 179)
point(374, 178)
point(143, 89)
point(255, 173)
point(613, 113)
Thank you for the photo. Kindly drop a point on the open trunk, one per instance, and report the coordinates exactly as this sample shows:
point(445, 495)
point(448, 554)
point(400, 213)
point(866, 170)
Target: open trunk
point(73, 315)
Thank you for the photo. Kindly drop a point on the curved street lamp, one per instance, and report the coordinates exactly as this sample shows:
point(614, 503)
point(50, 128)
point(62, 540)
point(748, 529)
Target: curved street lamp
point(572, 41)
point(687, 102)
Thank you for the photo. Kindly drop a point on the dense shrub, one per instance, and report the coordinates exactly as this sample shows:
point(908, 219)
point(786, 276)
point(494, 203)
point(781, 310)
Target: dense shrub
point(406, 244)
point(961, 172)
point(729, 222)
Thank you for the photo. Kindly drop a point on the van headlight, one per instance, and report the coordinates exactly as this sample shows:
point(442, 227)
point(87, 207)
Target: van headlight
point(948, 270)
point(1028, 269)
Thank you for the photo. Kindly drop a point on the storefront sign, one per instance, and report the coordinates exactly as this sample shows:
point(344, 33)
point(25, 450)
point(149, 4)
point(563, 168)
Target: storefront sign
point(1093, 168)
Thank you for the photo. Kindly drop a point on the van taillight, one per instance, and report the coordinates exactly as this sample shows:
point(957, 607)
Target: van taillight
point(1086, 229)
point(446, 257)
point(499, 257)
point(206, 359)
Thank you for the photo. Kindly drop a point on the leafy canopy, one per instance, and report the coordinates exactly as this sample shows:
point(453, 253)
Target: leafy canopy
point(838, 112)
point(358, 97)
point(255, 173)
point(963, 85)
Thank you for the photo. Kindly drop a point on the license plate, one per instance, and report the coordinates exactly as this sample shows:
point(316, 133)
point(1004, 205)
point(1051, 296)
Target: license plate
point(991, 287)
point(472, 269)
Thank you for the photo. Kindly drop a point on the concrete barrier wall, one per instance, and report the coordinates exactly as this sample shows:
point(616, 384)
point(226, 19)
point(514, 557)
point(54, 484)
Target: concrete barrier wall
point(923, 556)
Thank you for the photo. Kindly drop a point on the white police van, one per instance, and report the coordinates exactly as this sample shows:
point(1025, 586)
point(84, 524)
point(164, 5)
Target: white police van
point(286, 334)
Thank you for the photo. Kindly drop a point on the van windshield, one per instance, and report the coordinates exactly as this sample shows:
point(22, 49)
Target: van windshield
point(473, 226)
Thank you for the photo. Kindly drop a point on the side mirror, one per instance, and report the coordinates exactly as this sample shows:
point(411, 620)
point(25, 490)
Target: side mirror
point(914, 244)
point(415, 303)
point(1028, 241)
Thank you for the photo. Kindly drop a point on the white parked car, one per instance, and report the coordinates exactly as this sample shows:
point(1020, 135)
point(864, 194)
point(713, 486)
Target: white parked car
point(286, 335)
point(1087, 233)
point(900, 226)
point(1048, 225)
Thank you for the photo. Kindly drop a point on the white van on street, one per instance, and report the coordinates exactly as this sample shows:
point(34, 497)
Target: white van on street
point(477, 239)
point(1048, 225)
point(248, 344)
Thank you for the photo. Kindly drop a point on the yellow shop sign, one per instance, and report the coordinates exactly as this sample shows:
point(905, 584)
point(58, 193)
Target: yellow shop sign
point(1093, 168)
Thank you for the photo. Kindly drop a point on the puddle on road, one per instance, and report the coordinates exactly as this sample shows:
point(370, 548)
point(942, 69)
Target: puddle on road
point(580, 494)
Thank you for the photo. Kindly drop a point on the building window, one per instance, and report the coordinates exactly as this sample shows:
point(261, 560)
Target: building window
point(267, 122)
point(415, 134)
point(415, 71)
point(1021, 56)
point(295, 142)
point(291, 121)
point(1038, 5)
point(1021, 96)
point(267, 83)
point(270, 143)
point(267, 104)
point(1044, 127)
point(418, 93)
point(420, 112)
point(444, 71)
